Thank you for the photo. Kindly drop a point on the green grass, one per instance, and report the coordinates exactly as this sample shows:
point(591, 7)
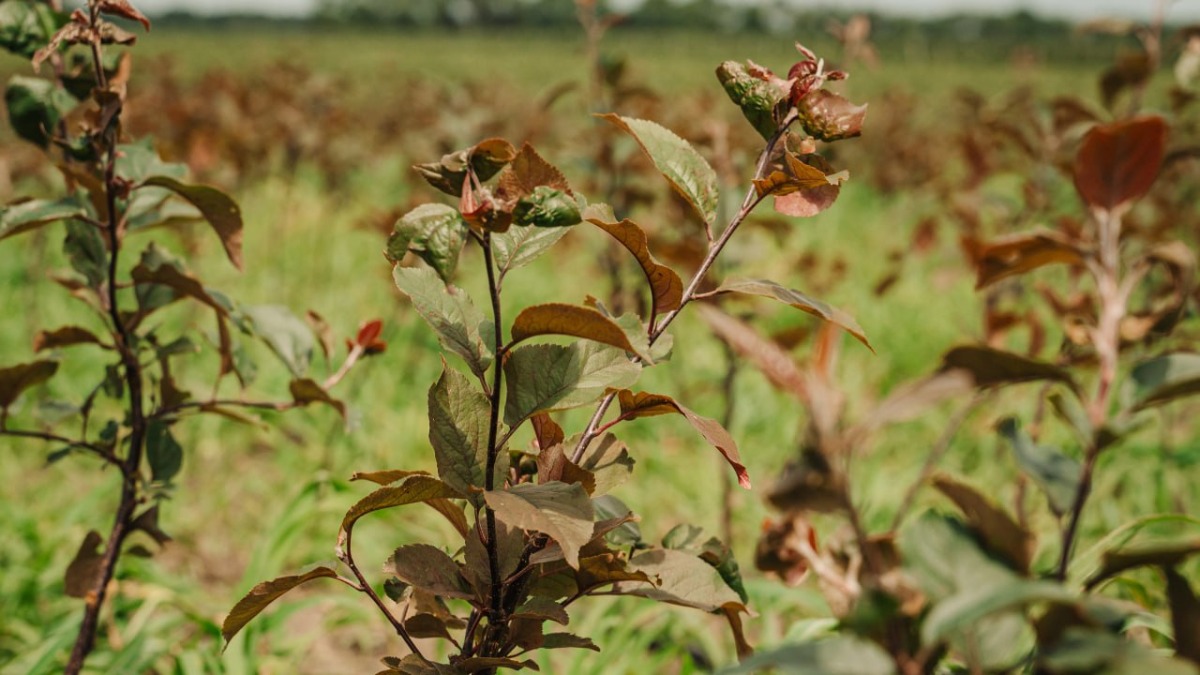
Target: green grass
point(257, 502)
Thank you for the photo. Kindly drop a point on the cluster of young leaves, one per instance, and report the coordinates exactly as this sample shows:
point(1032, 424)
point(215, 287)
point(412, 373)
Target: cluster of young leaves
point(116, 192)
point(970, 590)
point(541, 528)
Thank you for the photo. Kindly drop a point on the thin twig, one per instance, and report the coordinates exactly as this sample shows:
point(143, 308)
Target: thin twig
point(346, 555)
point(101, 451)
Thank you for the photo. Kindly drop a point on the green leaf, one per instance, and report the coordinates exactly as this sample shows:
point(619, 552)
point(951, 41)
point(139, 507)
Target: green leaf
point(609, 463)
point(137, 162)
point(485, 159)
point(26, 27)
point(757, 97)
point(218, 209)
point(834, 656)
point(563, 512)
point(545, 378)
point(770, 289)
point(288, 336)
point(85, 249)
point(460, 326)
point(677, 161)
point(429, 569)
point(680, 579)
point(459, 423)
point(35, 107)
point(546, 207)
point(573, 320)
point(263, 595)
point(1165, 554)
point(1166, 378)
point(522, 244)
point(1055, 473)
point(163, 452)
point(433, 232)
point(29, 215)
point(945, 559)
point(1082, 651)
point(16, 379)
point(608, 507)
point(414, 489)
point(963, 611)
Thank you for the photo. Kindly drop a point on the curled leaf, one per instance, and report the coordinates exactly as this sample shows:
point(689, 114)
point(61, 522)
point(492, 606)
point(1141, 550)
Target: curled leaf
point(666, 288)
point(576, 321)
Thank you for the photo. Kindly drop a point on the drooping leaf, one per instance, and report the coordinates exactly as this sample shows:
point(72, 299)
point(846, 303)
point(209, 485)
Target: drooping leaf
point(573, 320)
point(1185, 615)
point(305, 391)
point(426, 626)
point(87, 253)
point(263, 595)
point(26, 216)
point(568, 641)
point(218, 208)
point(14, 380)
point(1166, 378)
point(433, 232)
point(803, 186)
point(999, 531)
point(841, 655)
point(643, 405)
point(527, 172)
point(561, 511)
point(67, 336)
point(677, 161)
point(83, 574)
point(607, 568)
point(666, 288)
point(943, 557)
point(1118, 162)
point(965, 610)
point(459, 325)
point(486, 159)
point(147, 521)
point(163, 452)
point(770, 289)
point(459, 422)
point(830, 117)
point(607, 460)
point(139, 161)
point(546, 378)
point(1165, 554)
point(1019, 253)
point(452, 511)
point(994, 368)
point(430, 569)
point(522, 244)
point(288, 336)
point(680, 579)
point(543, 609)
point(1055, 473)
point(35, 107)
point(414, 489)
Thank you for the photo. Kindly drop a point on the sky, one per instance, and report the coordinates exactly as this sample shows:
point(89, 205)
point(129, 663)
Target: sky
point(1180, 10)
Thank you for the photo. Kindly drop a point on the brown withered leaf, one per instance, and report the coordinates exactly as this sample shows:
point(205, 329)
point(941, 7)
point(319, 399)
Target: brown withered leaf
point(788, 296)
point(429, 569)
point(554, 465)
point(645, 405)
point(526, 172)
point(306, 391)
point(67, 336)
point(803, 185)
point(263, 595)
point(1016, 254)
point(998, 530)
point(427, 626)
point(830, 117)
point(576, 321)
point(1117, 163)
point(809, 484)
point(148, 522)
point(992, 367)
point(83, 574)
point(666, 287)
point(125, 10)
point(16, 379)
point(604, 569)
point(784, 548)
point(547, 432)
point(486, 159)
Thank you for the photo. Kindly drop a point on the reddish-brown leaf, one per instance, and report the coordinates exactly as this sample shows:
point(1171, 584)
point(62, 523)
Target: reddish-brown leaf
point(1118, 162)
point(573, 320)
point(665, 285)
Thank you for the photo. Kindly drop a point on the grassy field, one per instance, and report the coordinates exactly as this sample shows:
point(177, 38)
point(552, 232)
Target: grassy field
point(256, 502)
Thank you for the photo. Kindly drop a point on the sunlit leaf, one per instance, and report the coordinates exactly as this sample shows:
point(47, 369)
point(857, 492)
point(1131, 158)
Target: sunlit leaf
point(218, 209)
point(677, 161)
point(561, 511)
point(486, 159)
point(460, 326)
point(263, 595)
point(830, 117)
point(666, 288)
point(522, 244)
point(680, 579)
point(412, 490)
point(26, 216)
point(1165, 554)
point(788, 296)
point(433, 232)
point(572, 320)
point(459, 422)
point(1016, 254)
point(67, 336)
point(756, 92)
point(634, 405)
point(545, 378)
